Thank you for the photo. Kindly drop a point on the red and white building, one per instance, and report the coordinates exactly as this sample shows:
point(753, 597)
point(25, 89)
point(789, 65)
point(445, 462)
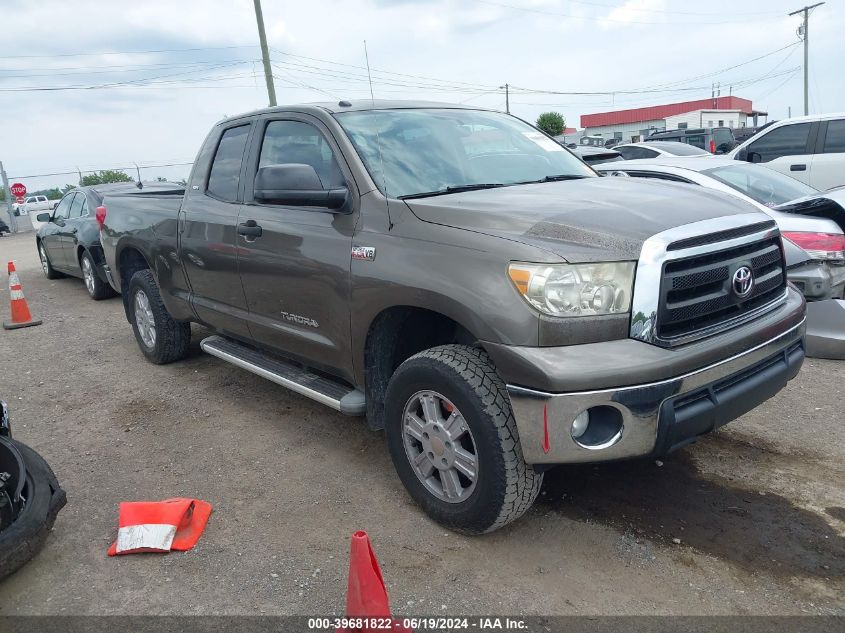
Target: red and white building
point(637, 123)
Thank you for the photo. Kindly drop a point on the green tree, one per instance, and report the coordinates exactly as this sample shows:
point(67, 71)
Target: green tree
point(105, 176)
point(552, 123)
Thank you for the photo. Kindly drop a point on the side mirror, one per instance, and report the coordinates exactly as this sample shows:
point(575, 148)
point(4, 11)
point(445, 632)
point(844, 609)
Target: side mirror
point(297, 185)
point(754, 157)
point(43, 217)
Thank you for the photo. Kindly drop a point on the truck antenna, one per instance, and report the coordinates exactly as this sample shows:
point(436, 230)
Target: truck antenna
point(378, 137)
point(140, 184)
point(369, 76)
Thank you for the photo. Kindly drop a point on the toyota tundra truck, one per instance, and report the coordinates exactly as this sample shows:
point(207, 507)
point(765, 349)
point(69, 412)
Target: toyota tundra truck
point(468, 285)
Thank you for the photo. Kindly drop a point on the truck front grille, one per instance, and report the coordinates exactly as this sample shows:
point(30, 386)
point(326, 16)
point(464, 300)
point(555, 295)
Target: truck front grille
point(697, 293)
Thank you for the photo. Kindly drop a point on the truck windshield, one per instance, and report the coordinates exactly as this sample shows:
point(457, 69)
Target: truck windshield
point(436, 151)
point(764, 185)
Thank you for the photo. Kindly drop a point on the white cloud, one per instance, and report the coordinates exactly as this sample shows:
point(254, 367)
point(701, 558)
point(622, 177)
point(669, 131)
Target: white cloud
point(563, 48)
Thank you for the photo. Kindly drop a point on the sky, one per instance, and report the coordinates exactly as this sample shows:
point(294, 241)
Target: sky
point(108, 84)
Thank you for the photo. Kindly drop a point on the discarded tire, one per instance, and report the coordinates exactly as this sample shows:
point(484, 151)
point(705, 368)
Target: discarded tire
point(30, 499)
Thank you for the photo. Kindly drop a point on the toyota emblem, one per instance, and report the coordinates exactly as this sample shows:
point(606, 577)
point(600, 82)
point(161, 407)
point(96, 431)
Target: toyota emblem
point(743, 282)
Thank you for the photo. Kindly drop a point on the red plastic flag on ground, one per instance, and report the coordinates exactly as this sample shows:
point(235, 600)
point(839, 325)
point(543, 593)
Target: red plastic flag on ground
point(160, 526)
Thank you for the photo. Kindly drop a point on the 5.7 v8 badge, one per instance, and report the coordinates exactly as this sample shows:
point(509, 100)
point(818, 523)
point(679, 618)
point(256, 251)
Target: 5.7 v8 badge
point(367, 253)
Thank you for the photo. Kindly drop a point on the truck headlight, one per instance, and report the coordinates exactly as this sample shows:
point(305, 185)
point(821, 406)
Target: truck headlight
point(569, 290)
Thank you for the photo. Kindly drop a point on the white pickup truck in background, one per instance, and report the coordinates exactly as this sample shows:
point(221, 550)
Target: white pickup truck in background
point(36, 203)
point(32, 206)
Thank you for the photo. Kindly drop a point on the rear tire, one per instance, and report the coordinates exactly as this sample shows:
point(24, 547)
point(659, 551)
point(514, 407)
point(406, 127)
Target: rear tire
point(25, 537)
point(161, 338)
point(96, 287)
point(463, 382)
point(46, 266)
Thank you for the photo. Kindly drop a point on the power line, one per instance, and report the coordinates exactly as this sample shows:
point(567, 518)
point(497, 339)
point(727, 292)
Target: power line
point(161, 50)
point(89, 171)
point(667, 11)
point(117, 69)
point(596, 18)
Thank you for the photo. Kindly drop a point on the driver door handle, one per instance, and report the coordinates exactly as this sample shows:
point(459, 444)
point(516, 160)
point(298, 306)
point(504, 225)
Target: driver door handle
point(249, 229)
point(798, 167)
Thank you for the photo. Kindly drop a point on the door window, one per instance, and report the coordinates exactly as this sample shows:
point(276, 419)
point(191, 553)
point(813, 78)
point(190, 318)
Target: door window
point(63, 210)
point(834, 140)
point(288, 142)
point(226, 169)
point(788, 140)
point(76, 207)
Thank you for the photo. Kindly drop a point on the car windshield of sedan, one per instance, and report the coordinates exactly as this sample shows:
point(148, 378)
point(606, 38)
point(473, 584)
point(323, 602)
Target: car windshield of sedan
point(764, 185)
point(425, 152)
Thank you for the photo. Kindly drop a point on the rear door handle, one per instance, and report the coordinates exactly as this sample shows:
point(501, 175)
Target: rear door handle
point(249, 229)
point(798, 167)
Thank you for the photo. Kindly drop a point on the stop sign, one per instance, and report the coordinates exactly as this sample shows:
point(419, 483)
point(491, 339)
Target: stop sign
point(18, 189)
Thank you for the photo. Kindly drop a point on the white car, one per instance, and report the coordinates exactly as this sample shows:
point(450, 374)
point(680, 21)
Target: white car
point(653, 149)
point(808, 148)
point(32, 206)
point(36, 204)
point(814, 246)
point(821, 237)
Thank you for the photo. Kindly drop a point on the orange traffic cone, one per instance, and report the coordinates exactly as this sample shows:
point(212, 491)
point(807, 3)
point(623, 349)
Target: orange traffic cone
point(21, 316)
point(366, 595)
point(160, 526)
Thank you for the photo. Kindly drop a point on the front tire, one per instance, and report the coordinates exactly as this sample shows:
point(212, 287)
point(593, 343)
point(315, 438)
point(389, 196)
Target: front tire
point(96, 287)
point(161, 338)
point(453, 440)
point(46, 266)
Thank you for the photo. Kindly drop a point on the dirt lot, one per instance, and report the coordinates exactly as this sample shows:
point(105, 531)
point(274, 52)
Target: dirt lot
point(758, 508)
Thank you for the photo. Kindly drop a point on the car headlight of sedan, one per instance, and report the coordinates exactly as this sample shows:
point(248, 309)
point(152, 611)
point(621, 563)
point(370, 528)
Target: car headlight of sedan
point(571, 290)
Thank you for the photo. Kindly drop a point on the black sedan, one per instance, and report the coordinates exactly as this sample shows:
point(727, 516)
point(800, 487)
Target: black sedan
point(69, 242)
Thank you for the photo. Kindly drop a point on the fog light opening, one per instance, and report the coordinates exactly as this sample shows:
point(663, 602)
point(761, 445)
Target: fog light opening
point(597, 427)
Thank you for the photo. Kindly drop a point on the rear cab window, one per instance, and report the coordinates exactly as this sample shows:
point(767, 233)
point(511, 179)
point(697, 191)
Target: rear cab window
point(224, 175)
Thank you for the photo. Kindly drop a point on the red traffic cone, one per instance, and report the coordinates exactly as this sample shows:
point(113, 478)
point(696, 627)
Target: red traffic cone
point(160, 526)
point(366, 595)
point(21, 316)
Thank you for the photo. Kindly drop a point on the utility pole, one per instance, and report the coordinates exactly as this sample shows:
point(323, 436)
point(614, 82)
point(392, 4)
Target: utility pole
point(265, 54)
point(13, 225)
point(507, 98)
point(805, 31)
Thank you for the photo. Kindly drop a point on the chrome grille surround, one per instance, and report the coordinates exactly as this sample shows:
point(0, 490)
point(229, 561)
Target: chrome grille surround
point(662, 248)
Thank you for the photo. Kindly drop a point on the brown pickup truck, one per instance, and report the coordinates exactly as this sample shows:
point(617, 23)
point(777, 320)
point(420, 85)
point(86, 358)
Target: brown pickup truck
point(467, 284)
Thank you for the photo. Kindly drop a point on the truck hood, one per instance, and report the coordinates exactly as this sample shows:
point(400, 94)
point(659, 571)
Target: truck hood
point(591, 219)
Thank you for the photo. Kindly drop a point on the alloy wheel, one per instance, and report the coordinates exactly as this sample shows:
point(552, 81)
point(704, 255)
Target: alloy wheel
point(440, 447)
point(145, 320)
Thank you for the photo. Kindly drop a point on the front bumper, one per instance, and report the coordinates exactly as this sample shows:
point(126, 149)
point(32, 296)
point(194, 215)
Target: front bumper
point(818, 281)
point(657, 417)
point(826, 329)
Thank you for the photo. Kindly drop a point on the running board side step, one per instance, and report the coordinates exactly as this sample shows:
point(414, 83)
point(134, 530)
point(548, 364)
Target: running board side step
point(324, 390)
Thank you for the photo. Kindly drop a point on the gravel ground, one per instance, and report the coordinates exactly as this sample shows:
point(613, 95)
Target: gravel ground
point(748, 521)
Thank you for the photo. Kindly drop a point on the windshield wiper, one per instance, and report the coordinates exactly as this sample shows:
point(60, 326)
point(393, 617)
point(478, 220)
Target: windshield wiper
point(453, 189)
point(555, 178)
